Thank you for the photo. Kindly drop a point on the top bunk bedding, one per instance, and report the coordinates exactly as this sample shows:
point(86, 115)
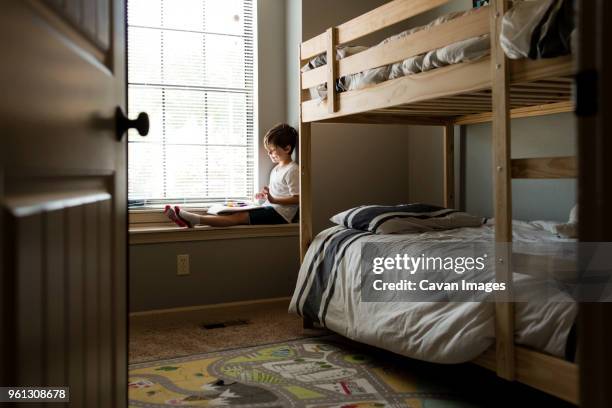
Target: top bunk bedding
point(442, 73)
point(329, 291)
point(531, 29)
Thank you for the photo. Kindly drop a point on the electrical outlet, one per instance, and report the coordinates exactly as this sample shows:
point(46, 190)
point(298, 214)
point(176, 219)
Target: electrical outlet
point(182, 264)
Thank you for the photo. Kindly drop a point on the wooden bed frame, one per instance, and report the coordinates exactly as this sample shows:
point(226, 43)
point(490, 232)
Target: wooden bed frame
point(492, 89)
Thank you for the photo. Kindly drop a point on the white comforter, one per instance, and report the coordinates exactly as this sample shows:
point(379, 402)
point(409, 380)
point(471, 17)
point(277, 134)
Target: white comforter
point(436, 332)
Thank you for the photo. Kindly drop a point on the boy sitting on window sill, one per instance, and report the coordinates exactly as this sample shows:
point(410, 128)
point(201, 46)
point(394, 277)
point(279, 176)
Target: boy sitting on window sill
point(282, 196)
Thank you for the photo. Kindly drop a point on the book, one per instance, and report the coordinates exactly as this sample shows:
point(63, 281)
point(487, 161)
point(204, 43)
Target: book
point(231, 207)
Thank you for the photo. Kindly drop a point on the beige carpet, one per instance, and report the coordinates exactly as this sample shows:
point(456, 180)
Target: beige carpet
point(179, 334)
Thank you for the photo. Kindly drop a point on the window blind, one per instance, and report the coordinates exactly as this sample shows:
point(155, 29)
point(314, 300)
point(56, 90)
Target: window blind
point(190, 67)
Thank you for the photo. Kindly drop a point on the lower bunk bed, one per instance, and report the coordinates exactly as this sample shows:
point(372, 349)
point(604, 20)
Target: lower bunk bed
point(329, 293)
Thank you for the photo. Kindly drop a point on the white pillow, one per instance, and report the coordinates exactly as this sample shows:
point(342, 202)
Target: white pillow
point(569, 230)
point(404, 218)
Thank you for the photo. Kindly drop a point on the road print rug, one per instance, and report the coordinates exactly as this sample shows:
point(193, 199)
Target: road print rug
point(315, 372)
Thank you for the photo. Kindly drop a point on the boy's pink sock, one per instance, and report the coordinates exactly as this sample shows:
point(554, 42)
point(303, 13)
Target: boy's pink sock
point(171, 213)
point(189, 218)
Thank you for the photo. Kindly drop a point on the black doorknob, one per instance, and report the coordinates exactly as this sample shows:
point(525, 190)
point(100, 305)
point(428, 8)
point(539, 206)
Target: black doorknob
point(141, 123)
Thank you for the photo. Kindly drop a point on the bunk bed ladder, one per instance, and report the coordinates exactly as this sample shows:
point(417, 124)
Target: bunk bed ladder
point(504, 308)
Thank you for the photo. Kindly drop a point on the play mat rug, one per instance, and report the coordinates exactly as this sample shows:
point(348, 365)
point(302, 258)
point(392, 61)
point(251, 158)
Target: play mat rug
point(315, 372)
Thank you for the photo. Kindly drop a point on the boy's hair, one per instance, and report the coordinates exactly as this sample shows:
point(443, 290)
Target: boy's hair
point(281, 135)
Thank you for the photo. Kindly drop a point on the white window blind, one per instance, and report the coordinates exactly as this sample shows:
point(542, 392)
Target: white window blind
point(190, 67)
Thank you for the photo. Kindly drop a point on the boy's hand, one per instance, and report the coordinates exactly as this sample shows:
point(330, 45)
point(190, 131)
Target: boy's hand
point(260, 196)
point(266, 191)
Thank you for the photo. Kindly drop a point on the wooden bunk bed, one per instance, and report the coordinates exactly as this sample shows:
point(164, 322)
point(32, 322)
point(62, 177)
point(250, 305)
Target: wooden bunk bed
point(492, 89)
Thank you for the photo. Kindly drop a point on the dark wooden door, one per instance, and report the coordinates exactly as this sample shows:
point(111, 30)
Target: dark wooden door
point(594, 109)
point(63, 192)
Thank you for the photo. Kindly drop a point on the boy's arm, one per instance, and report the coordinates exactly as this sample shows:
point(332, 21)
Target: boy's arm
point(293, 200)
point(293, 182)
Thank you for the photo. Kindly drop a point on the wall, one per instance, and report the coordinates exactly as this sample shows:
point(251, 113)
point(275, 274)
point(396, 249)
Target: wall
point(425, 164)
point(293, 36)
point(221, 271)
point(272, 75)
point(543, 136)
point(357, 164)
point(228, 270)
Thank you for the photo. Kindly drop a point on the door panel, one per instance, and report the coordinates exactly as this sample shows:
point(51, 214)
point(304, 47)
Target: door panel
point(76, 337)
point(91, 278)
point(594, 109)
point(29, 305)
point(64, 292)
point(90, 17)
point(63, 196)
point(103, 23)
point(105, 317)
point(55, 298)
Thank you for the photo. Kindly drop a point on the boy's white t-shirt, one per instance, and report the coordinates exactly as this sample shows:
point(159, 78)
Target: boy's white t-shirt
point(285, 182)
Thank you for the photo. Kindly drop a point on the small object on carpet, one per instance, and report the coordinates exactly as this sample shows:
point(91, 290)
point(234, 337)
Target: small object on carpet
point(228, 323)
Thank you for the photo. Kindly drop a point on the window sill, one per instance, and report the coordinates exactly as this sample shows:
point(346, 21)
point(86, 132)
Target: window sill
point(154, 216)
point(165, 232)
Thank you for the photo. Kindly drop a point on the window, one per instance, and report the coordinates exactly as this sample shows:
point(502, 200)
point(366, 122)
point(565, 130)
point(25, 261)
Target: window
point(190, 67)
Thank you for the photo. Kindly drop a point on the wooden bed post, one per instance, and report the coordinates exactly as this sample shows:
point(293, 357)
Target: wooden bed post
point(305, 189)
point(332, 69)
point(305, 145)
point(504, 308)
point(449, 166)
point(305, 173)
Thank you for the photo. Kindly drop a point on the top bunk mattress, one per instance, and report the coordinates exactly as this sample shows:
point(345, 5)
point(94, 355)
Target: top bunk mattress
point(531, 29)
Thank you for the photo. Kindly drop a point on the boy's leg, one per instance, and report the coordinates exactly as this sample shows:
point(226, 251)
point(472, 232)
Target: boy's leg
point(171, 213)
point(191, 219)
point(239, 218)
